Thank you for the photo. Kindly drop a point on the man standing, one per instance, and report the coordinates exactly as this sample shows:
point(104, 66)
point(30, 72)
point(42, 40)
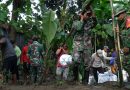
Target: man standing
point(35, 52)
point(124, 26)
point(82, 45)
point(26, 62)
point(9, 59)
point(18, 54)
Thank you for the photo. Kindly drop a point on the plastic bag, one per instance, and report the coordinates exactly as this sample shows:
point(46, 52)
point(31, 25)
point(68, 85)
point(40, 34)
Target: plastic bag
point(65, 59)
point(91, 80)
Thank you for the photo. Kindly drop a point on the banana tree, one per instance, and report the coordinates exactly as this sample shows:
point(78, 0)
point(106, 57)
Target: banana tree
point(50, 27)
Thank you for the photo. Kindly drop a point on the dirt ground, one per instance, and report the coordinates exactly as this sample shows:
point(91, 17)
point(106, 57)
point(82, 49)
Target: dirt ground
point(107, 86)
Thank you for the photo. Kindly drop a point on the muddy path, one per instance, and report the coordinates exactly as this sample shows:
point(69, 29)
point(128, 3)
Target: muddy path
point(106, 86)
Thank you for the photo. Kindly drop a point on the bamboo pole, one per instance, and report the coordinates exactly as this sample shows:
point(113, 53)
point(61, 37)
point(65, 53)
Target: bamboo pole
point(117, 45)
point(119, 62)
point(113, 21)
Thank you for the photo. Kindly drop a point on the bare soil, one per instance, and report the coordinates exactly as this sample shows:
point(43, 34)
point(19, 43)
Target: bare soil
point(68, 86)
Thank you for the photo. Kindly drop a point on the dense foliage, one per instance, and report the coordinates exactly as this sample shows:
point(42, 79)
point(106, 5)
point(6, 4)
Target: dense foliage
point(51, 20)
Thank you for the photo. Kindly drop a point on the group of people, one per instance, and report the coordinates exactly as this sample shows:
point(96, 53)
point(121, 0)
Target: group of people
point(82, 59)
point(97, 64)
point(31, 58)
point(32, 54)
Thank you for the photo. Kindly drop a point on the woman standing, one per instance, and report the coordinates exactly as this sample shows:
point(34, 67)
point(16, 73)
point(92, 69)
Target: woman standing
point(63, 49)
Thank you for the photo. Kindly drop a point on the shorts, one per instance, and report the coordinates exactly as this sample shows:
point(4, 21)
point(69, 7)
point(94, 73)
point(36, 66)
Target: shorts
point(10, 64)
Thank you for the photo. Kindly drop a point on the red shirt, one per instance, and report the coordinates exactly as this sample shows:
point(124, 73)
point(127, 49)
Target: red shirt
point(128, 22)
point(24, 56)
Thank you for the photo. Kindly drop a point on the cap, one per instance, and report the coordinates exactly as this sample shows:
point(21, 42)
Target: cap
point(120, 12)
point(119, 9)
point(106, 47)
point(99, 52)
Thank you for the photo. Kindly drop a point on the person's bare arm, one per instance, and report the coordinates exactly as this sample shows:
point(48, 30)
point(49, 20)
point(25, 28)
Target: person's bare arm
point(105, 57)
point(81, 17)
point(2, 40)
point(58, 51)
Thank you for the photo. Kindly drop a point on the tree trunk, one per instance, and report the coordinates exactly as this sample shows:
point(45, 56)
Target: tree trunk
point(15, 13)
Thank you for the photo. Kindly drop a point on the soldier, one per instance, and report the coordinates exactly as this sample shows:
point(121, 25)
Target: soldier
point(82, 45)
point(35, 53)
point(124, 26)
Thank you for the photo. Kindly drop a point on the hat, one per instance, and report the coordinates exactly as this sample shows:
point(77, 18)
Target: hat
point(106, 47)
point(99, 52)
point(119, 10)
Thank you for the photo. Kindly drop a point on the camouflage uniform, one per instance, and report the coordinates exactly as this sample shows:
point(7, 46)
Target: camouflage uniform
point(125, 38)
point(35, 53)
point(126, 63)
point(82, 46)
point(125, 32)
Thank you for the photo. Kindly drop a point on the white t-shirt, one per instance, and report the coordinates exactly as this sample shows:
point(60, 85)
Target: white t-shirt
point(65, 59)
point(105, 58)
point(97, 62)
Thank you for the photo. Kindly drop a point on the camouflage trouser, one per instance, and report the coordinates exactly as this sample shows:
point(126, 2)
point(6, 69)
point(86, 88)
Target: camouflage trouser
point(83, 59)
point(125, 37)
point(82, 53)
point(36, 74)
point(126, 66)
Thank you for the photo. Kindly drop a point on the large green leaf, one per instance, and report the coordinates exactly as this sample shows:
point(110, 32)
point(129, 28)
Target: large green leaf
point(3, 15)
point(49, 26)
point(108, 28)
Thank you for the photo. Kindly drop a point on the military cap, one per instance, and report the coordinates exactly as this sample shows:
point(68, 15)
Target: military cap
point(119, 10)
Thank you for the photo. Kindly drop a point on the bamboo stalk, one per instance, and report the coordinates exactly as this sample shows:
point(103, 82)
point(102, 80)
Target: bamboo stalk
point(119, 63)
point(113, 21)
point(117, 45)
